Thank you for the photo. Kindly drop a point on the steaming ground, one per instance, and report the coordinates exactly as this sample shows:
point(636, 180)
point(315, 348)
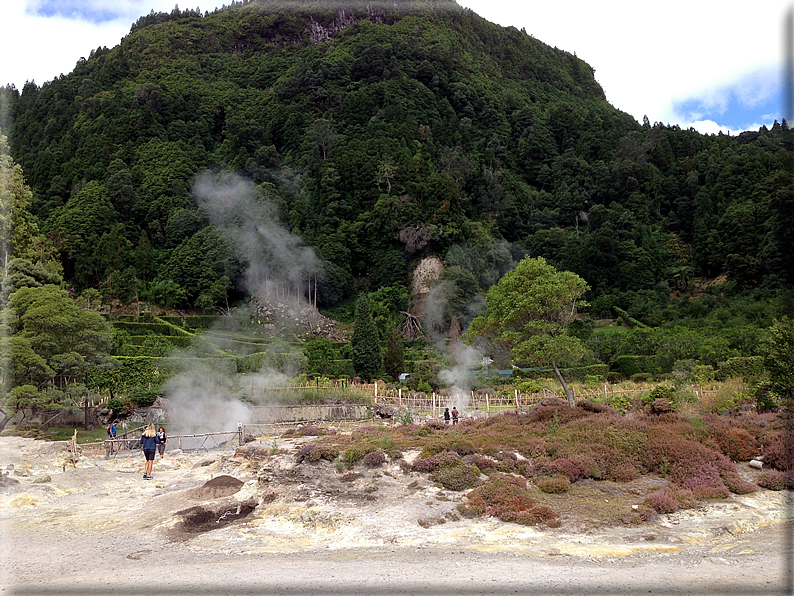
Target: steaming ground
point(247, 521)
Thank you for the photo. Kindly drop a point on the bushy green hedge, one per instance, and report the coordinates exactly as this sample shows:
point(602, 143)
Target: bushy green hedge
point(629, 365)
point(134, 328)
point(580, 373)
point(574, 373)
point(747, 367)
point(629, 320)
point(173, 340)
point(130, 371)
point(257, 361)
point(201, 321)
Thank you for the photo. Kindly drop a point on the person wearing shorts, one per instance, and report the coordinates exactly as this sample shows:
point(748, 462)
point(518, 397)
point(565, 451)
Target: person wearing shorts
point(149, 443)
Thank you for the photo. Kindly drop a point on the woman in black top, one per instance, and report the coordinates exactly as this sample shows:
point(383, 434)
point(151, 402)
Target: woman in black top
point(149, 442)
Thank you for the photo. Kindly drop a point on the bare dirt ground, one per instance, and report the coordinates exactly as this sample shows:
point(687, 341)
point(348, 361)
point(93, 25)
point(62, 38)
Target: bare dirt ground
point(253, 522)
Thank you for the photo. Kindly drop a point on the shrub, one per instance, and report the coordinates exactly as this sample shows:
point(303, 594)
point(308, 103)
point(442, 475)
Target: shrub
point(554, 485)
point(691, 464)
point(405, 418)
point(736, 443)
point(374, 459)
point(141, 397)
point(483, 463)
point(507, 498)
point(661, 392)
point(423, 465)
point(117, 405)
point(780, 452)
point(641, 377)
point(573, 468)
point(312, 453)
point(704, 481)
point(305, 453)
point(309, 431)
point(624, 472)
point(595, 407)
point(350, 476)
point(356, 454)
point(662, 501)
point(458, 477)
point(775, 480)
point(736, 484)
point(440, 460)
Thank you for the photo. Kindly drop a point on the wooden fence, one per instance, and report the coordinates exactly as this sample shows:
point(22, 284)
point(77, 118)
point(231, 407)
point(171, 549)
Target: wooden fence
point(194, 442)
point(433, 404)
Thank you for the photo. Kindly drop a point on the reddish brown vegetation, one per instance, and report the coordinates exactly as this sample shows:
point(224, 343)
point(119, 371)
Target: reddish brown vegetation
point(507, 498)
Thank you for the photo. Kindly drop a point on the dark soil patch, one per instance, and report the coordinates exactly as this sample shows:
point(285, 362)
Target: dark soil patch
point(200, 519)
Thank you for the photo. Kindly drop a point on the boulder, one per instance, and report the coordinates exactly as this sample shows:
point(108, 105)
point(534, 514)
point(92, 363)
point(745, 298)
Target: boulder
point(661, 406)
point(383, 411)
point(553, 402)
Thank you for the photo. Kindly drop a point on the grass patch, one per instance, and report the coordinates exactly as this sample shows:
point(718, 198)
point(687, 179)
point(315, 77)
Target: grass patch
point(589, 504)
point(65, 433)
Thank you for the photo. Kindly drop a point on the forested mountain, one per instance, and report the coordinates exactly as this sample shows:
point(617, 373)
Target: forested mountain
point(383, 132)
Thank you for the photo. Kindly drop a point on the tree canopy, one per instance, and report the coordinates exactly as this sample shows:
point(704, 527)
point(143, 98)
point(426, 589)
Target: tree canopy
point(365, 343)
point(529, 311)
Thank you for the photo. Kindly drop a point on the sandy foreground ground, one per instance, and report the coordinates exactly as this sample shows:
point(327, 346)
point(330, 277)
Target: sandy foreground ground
point(254, 522)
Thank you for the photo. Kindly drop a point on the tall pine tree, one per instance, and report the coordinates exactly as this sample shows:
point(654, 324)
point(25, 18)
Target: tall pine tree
point(365, 343)
point(393, 360)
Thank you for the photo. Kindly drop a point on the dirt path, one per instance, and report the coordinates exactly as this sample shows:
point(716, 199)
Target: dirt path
point(101, 528)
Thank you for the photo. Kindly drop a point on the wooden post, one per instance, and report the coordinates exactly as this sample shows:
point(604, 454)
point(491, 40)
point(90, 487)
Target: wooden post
point(487, 404)
point(73, 449)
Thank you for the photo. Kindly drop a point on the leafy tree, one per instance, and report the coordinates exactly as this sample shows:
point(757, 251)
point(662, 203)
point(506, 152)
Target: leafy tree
point(51, 348)
point(528, 313)
point(56, 327)
point(320, 357)
point(778, 350)
point(365, 343)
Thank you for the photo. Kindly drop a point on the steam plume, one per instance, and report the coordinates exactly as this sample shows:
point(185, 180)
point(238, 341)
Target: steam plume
point(278, 265)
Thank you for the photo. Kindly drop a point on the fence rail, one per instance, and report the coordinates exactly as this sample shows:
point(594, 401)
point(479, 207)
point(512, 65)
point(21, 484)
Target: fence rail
point(434, 403)
point(194, 442)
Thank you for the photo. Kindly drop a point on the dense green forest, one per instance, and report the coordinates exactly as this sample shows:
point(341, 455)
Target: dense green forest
point(380, 133)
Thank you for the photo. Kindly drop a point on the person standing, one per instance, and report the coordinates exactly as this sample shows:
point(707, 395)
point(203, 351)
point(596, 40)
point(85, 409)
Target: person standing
point(446, 415)
point(111, 435)
point(163, 437)
point(149, 442)
point(454, 415)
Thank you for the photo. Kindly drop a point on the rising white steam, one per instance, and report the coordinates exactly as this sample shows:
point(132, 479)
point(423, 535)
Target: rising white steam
point(464, 360)
point(278, 267)
point(204, 401)
point(278, 263)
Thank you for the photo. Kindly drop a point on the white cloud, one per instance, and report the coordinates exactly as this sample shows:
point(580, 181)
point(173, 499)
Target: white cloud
point(40, 48)
point(647, 56)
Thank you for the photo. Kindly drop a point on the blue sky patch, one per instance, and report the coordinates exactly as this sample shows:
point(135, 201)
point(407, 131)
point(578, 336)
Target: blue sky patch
point(744, 104)
point(79, 10)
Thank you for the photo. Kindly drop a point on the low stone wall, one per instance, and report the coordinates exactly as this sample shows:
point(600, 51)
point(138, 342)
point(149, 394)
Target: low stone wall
point(271, 414)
